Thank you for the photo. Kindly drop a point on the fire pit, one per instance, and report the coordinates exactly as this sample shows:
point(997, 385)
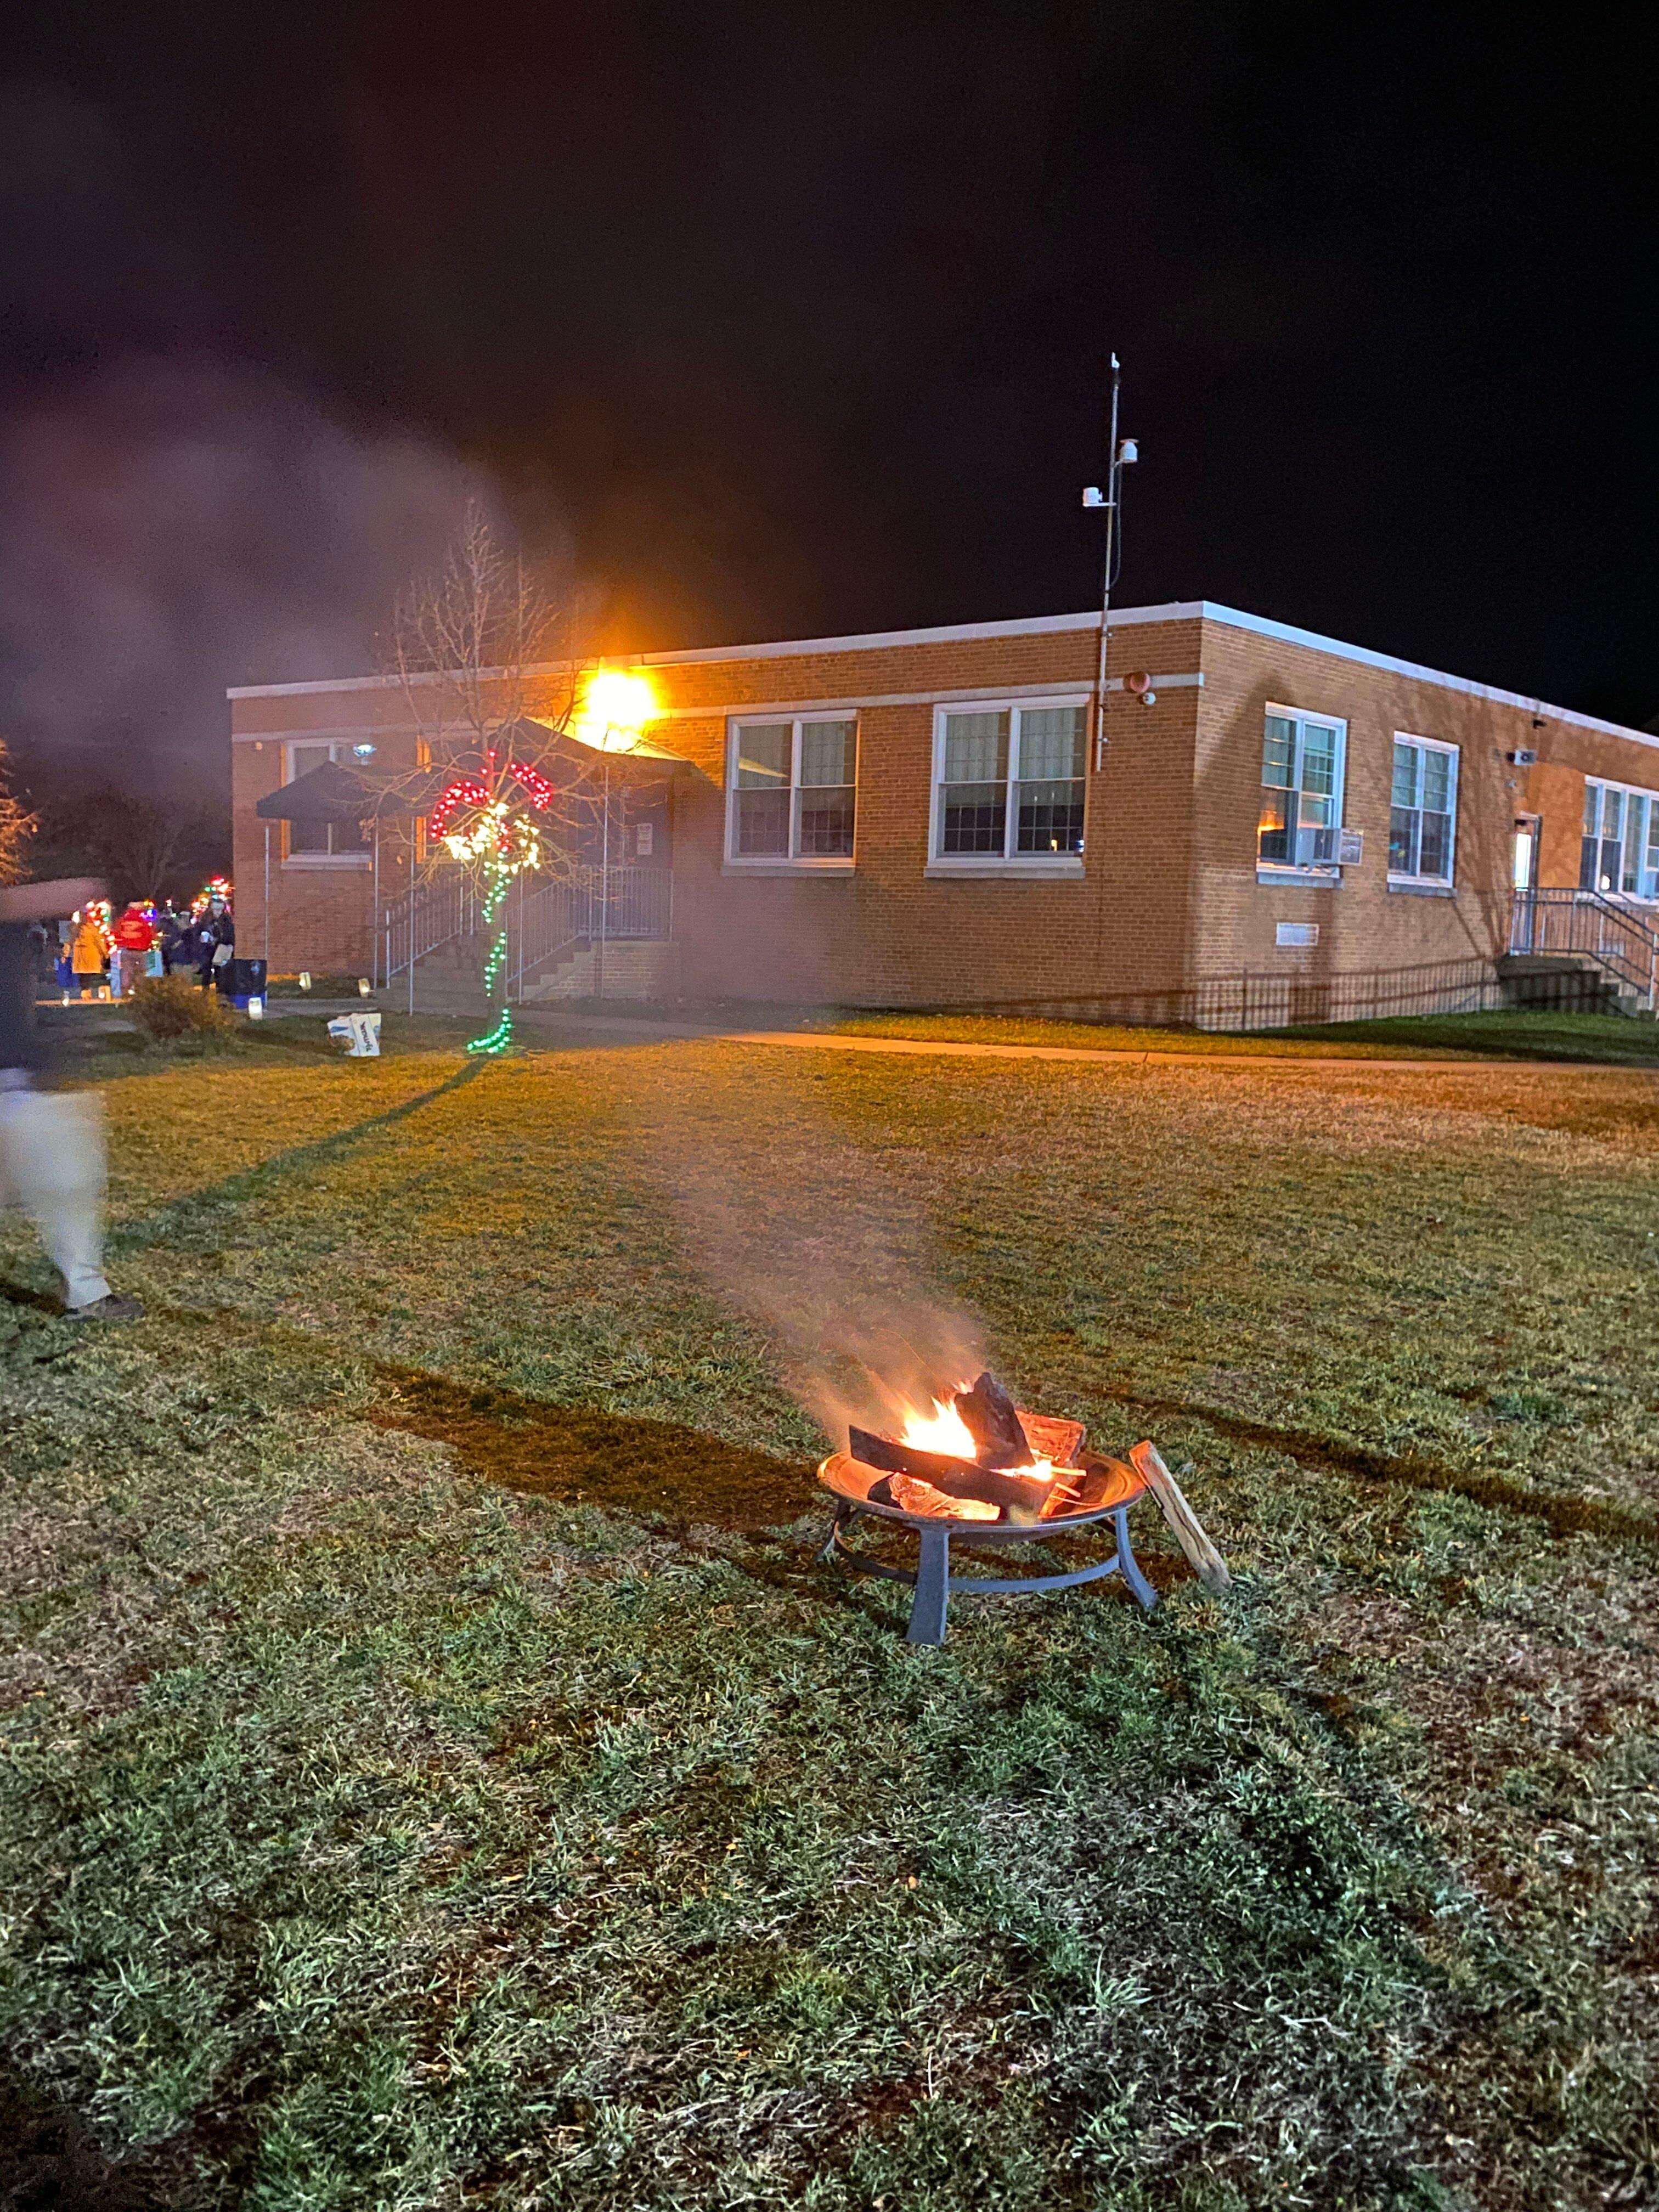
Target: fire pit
point(981, 1470)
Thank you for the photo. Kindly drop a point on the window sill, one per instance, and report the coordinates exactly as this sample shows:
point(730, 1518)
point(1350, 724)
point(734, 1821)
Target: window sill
point(1414, 889)
point(781, 867)
point(328, 860)
point(1328, 880)
point(1063, 868)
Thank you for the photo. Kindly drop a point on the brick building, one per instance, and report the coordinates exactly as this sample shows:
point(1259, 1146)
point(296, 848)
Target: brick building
point(1278, 826)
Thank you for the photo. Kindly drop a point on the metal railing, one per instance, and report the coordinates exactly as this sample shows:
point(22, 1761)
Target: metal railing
point(436, 912)
point(544, 918)
point(1587, 925)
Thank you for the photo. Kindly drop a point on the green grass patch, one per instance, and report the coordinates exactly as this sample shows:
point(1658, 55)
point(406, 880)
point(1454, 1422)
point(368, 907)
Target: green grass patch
point(433, 1768)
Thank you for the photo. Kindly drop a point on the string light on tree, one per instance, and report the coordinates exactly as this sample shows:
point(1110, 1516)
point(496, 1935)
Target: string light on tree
point(500, 842)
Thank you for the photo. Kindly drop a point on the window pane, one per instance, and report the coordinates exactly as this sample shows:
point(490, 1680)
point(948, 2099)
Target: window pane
point(1050, 819)
point(975, 748)
point(823, 821)
point(1273, 830)
point(1278, 752)
point(1592, 808)
point(1318, 763)
point(1612, 814)
point(1402, 839)
point(974, 817)
point(1436, 846)
point(763, 755)
point(1405, 776)
point(1636, 830)
point(1587, 852)
point(826, 752)
point(1436, 782)
point(305, 837)
point(1050, 743)
point(762, 822)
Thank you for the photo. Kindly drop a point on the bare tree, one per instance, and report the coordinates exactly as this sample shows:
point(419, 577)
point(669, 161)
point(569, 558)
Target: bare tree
point(137, 840)
point(487, 657)
point(17, 825)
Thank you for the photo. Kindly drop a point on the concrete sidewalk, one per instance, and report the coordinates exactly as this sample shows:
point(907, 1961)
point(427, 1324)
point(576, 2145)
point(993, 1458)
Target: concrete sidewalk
point(653, 1032)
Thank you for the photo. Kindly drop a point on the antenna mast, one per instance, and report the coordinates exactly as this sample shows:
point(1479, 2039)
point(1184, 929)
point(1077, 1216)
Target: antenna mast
point(1118, 454)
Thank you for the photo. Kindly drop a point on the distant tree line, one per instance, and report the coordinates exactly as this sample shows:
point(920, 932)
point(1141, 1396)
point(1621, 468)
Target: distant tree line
point(148, 844)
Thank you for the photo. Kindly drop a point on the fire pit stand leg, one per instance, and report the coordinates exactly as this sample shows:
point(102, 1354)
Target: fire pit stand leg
point(832, 1542)
point(932, 1589)
point(1129, 1566)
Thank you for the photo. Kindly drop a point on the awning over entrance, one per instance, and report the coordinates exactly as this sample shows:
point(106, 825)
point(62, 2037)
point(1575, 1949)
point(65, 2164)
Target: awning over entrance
point(333, 793)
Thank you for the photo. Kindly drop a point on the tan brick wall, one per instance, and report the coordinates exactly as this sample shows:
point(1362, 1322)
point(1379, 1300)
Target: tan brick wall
point(319, 917)
point(1168, 895)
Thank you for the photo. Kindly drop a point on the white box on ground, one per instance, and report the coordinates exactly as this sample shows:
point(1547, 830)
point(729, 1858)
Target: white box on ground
point(361, 1033)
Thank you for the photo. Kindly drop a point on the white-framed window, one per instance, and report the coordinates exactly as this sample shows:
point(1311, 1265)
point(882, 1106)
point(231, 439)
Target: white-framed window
point(1304, 758)
point(1009, 782)
point(792, 791)
point(1620, 853)
point(1422, 812)
point(330, 841)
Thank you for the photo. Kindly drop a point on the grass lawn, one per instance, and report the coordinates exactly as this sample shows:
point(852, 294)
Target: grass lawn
point(434, 1773)
point(1610, 1038)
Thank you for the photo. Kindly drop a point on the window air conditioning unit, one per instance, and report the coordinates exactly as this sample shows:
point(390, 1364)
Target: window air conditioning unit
point(1329, 848)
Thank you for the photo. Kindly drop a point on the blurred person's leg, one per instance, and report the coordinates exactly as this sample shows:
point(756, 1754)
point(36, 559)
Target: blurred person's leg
point(52, 1162)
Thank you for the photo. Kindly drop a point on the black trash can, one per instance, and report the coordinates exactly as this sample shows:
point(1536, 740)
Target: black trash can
point(247, 981)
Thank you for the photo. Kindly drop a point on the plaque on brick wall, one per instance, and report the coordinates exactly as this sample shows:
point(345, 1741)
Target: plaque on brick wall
point(1297, 933)
point(1350, 848)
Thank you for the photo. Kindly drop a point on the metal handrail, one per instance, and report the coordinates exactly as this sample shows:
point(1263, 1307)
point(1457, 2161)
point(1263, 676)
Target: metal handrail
point(1592, 926)
point(543, 917)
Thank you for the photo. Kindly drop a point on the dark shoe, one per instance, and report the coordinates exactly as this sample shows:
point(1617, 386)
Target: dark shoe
point(113, 1308)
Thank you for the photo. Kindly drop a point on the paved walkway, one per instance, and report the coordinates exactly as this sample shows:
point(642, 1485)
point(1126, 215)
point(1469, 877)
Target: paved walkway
point(646, 1032)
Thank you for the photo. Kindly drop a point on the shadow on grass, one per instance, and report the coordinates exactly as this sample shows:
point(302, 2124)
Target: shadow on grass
point(46, 2161)
point(215, 1198)
point(623, 1463)
point(1564, 1516)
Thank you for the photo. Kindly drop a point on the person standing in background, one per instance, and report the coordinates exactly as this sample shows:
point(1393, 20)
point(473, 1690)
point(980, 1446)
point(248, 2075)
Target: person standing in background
point(133, 936)
point(51, 1142)
point(212, 935)
point(87, 957)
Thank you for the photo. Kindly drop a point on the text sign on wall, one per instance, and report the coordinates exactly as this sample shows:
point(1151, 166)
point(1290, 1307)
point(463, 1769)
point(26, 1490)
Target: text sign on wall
point(1297, 933)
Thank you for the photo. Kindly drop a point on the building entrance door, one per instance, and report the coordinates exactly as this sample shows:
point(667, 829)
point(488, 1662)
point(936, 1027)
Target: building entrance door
point(1524, 876)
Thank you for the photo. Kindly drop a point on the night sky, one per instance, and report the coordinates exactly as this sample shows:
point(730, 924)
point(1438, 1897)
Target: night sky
point(779, 320)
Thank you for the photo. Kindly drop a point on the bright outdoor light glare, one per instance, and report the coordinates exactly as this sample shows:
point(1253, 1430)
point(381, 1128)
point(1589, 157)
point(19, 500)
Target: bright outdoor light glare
point(616, 706)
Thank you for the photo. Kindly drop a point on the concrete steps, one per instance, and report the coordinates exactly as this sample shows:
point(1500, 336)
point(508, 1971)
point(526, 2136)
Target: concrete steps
point(1566, 983)
point(450, 982)
point(628, 968)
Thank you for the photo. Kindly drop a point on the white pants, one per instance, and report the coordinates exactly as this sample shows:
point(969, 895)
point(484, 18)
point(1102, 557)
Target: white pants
point(53, 1164)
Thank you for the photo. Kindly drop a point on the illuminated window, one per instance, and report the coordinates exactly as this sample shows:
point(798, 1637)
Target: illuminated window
point(1620, 853)
point(792, 791)
point(1303, 758)
point(321, 841)
point(1423, 811)
point(1009, 782)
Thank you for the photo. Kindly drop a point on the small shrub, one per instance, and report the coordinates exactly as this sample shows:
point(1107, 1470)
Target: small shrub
point(168, 1007)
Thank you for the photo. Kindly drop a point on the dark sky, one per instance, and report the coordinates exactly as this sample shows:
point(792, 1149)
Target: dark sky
point(786, 320)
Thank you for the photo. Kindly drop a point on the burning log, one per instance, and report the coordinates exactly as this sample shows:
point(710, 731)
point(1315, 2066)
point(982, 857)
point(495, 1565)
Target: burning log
point(1097, 1481)
point(1206, 1562)
point(957, 1478)
point(991, 1419)
point(911, 1495)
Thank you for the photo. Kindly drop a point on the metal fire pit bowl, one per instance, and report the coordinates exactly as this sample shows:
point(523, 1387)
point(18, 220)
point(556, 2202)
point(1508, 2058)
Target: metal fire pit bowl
point(849, 1479)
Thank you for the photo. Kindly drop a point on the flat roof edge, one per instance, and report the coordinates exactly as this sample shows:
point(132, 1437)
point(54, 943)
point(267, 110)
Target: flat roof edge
point(1026, 626)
